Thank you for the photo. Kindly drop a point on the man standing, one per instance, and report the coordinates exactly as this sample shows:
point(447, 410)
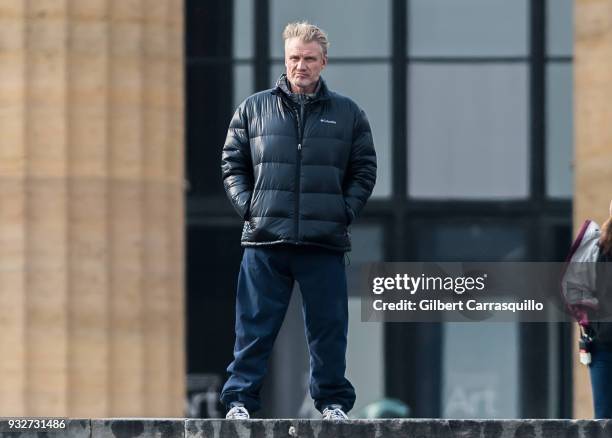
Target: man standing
point(298, 165)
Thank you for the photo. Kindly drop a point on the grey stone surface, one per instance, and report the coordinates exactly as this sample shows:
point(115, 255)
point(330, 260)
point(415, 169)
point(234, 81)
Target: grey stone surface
point(138, 428)
point(405, 428)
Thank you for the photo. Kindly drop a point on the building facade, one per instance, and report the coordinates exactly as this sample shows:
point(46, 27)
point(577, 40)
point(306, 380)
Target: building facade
point(471, 108)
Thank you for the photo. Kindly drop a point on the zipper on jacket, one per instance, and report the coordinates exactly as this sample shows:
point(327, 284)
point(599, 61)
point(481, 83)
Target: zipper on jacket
point(298, 165)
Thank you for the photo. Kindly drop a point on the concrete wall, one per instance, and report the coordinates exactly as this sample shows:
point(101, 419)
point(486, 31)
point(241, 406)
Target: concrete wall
point(593, 130)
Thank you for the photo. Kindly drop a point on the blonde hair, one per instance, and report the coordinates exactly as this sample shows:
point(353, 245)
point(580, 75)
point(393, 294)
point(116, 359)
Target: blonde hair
point(306, 32)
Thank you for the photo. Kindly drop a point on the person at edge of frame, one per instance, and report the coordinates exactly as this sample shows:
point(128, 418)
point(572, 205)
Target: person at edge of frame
point(600, 332)
point(298, 165)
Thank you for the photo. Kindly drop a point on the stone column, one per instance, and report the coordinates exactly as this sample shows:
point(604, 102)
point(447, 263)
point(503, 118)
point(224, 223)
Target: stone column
point(91, 208)
point(593, 126)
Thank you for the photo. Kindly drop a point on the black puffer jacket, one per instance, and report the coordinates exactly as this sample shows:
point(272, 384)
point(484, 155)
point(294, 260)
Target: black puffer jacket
point(298, 169)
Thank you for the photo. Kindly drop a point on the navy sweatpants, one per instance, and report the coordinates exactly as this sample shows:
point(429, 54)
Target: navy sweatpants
point(264, 289)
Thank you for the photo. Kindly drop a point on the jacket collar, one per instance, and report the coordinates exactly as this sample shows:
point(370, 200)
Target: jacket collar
point(282, 87)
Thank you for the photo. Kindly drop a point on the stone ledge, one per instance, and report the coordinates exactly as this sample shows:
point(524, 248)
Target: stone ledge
point(287, 428)
point(405, 428)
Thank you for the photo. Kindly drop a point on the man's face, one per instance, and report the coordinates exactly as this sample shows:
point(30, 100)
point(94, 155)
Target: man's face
point(304, 62)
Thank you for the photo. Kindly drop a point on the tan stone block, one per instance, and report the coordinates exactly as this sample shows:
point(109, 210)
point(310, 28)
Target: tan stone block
point(12, 298)
point(12, 89)
point(157, 299)
point(95, 10)
point(46, 300)
point(88, 288)
point(127, 10)
point(90, 253)
point(87, 104)
point(11, 35)
point(12, 8)
point(593, 155)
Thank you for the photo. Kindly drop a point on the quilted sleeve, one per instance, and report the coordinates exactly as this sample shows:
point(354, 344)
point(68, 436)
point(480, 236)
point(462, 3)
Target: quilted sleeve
point(361, 173)
point(236, 164)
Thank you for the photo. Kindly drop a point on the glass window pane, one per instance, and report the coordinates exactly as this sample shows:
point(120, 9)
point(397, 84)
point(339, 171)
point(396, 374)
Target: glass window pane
point(474, 242)
point(365, 357)
point(480, 379)
point(243, 29)
point(287, 387)
point(357, 82)
point(560, 130)
point(367, 244)
point(243, 82)
point(365, 366)
point(208, 28)
point(468, 27)
point(209, 111)
point(277, 69)
point(210, 283)
point(354, 27)
point(468, 131)
point(367, 247)
point(560, 27)
point(369, 86)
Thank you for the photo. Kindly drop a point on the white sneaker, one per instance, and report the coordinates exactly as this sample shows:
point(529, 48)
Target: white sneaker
point(237, 412)
point(334, 412)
